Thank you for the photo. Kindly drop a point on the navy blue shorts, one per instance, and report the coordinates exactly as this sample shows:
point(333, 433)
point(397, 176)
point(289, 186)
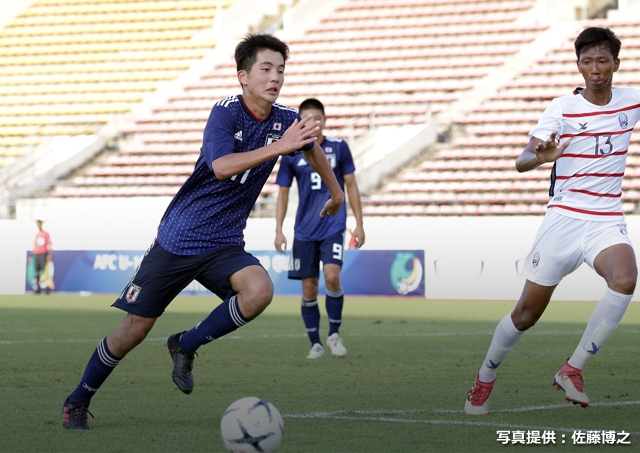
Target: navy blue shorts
point(162, 275)
point(306, 256)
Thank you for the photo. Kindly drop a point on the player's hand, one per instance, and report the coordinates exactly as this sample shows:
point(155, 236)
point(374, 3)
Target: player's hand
point(298, 135)
point(280, 243)
point(330, 207)
point(358, 235)
point(549, 151)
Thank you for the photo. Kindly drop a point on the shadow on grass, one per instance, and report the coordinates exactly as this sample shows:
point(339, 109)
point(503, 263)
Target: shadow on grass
point(400, 388)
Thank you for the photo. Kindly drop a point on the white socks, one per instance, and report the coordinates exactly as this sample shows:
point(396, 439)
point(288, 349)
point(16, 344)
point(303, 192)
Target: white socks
point(603, 321)
point(504, 340)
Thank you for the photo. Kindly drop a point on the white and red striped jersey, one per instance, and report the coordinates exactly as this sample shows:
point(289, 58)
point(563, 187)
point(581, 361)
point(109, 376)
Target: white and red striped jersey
point(586, 181)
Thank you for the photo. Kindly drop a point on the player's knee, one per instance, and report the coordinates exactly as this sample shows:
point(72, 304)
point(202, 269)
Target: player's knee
point(524, 319)
point(624, 283)
point(333, 282)
point(139, 330)
point(131, 333)
point(256, 297)
point(310, 288)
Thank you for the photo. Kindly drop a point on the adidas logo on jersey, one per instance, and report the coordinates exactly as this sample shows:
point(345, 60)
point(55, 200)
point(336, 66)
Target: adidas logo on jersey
point(238, 136)
point(302, 163)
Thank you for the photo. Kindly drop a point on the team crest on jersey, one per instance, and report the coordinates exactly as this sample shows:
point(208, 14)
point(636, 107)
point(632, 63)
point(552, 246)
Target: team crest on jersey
point(271, 138)
point(536, 260)
point(132, 293)
point(623, 120)
point(277, 126)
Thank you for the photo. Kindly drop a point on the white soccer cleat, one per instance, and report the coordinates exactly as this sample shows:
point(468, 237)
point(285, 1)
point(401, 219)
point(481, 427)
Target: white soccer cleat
point(477, 402)
point(317, 352)
point(570, 380)
point(336, 346)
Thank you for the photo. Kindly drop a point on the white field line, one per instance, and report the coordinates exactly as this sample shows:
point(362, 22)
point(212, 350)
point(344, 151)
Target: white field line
point(341, 415)
point(355, 334)
point(543, 408)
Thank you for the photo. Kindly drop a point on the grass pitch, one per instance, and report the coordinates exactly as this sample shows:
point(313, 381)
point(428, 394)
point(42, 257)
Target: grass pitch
point(401, 388)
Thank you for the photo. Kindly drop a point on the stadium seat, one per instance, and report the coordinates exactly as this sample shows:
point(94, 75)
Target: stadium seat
point(66, 66)
point(372, 63)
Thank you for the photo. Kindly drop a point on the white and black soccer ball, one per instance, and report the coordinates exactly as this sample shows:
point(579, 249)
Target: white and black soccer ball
point(251, 425)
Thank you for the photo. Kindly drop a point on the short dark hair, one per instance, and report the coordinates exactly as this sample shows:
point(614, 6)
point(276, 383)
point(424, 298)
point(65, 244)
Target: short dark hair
point(596, 36)
point(247, 50)
point(311, 103)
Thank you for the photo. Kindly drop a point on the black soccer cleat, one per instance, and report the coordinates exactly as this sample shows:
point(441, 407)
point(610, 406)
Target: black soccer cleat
point(74, 415)
point(182, 363)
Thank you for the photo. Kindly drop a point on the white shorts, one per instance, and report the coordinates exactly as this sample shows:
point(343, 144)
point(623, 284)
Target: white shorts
point(563, 243)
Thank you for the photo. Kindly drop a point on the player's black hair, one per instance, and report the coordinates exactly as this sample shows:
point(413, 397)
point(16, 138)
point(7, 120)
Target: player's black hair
point(311, 103)
point(596, 36)
point(247, 50)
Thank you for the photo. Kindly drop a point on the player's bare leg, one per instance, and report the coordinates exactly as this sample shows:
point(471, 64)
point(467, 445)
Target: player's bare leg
point(617, 265)
point(310, 288)
point(532, 303)
point(254, 288)
point(133, 330)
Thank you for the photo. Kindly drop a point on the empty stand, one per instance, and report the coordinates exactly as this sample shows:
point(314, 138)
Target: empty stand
point(372, 63)
point(68, 66)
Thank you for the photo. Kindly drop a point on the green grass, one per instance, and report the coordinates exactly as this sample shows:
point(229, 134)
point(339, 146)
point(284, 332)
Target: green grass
point(401, 388)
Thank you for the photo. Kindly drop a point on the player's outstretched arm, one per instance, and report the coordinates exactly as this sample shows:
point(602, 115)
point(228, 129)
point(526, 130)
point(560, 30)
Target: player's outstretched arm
point(356, 206)
point(320, 164)
point(281, 211)
point(293, 139)
point(538, 152)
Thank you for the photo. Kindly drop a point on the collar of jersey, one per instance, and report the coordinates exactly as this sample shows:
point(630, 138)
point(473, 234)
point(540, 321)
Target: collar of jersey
point(246, 109)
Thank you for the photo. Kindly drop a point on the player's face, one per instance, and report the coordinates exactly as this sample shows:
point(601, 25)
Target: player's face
point(597, 66)
point(263, 83)
point(316, 117)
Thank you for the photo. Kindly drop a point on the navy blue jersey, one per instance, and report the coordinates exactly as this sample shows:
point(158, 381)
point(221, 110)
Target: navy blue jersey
point(313, 192)
point(208, 213)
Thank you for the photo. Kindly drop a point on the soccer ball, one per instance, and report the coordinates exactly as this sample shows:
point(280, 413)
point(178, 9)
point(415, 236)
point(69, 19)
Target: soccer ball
point(251, 425)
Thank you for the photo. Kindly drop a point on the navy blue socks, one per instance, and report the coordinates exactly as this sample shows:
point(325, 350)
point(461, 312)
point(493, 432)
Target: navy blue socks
point(311, 318)
point(100, 366)
point(334, 303)
point(224, 319)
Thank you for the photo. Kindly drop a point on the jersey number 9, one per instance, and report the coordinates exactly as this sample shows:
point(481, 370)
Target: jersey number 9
point(316, 181)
